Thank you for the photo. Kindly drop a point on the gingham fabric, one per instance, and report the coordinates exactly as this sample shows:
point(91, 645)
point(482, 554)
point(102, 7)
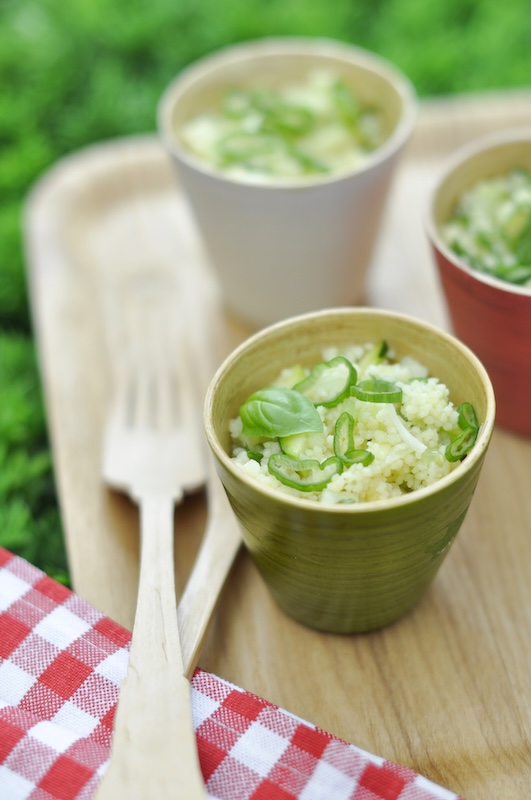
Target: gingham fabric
point(61, 664)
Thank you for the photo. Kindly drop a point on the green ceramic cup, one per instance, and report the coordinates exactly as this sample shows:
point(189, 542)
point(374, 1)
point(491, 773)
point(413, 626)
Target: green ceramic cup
point(357, 567)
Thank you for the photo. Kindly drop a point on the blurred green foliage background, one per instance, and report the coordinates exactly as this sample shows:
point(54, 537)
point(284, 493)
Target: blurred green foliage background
point(77, 71)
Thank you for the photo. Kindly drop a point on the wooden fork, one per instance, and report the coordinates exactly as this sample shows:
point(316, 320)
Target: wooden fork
point(152, 451)
point(222, 539)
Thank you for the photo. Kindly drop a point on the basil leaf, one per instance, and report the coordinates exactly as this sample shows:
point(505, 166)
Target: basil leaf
point(279, 412)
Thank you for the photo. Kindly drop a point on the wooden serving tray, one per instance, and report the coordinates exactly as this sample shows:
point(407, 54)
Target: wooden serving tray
point(446, 690)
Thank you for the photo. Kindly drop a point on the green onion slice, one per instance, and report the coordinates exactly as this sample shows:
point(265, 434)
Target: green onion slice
point(344, 434)
point(376, 390)
point(518, 274)
point(346, 103)
point(329, 382)
point(291, 120)
point(466, 417)
point(280, 116)
point(239, 148)
point(364, 457)
point(236, 103)
point(461, 445)
point(305, 475)
point(344, 447)
point(523, 245)
point(307, 162)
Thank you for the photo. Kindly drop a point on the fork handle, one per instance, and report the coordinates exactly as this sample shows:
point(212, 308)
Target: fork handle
point(154, 752)
point(221, 542)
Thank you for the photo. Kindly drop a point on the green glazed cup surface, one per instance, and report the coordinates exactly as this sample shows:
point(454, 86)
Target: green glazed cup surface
point(357, 567)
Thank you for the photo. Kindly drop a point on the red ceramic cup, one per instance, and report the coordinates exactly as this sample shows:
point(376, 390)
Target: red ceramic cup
point(491, 316)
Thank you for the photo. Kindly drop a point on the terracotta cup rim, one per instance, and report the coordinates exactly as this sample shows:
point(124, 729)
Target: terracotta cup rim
point(453, 164)
point(286, 45)
point(356, 509)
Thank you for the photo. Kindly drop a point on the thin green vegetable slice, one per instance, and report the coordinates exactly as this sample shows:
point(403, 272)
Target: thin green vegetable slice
point(344, 447)
point(363, 457)
point(291, 120)
point(376, 390)
point(523, 244)
point(307, 162)
point(519, 274)
point(466, 417)
point(241, 148)
point(461, 445)
point(280, 116)
point(344, 434)
point(346, 103)
point(307, 475)
point(329, 382)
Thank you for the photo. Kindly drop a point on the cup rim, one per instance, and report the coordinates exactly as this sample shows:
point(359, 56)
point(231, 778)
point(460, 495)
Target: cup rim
point(285, 45)
point(388, 504)
point(450, 166)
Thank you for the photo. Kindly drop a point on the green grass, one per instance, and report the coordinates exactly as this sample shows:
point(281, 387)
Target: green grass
point(76, 72)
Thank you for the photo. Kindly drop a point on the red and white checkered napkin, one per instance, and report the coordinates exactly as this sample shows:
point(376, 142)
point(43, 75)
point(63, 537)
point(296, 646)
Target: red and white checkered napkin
point(61, 663)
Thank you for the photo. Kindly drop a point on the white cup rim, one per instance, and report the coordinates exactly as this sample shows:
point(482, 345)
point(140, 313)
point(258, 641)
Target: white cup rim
point(286, 45)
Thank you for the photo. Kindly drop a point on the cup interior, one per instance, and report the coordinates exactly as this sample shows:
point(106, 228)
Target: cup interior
point(271, 63)
point(482, 160)
point(302, 339)
point(492, 316)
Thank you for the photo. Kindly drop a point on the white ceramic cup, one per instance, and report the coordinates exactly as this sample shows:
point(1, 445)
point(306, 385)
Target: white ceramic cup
point(293, 246)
